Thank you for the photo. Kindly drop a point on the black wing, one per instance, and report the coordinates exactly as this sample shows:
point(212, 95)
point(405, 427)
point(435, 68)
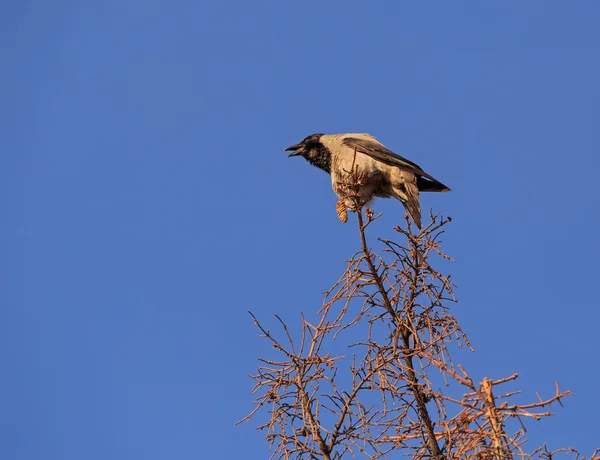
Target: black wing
point(425, 182)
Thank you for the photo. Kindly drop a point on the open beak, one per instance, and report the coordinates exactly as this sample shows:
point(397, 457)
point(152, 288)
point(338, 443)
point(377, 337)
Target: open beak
point(296, 150)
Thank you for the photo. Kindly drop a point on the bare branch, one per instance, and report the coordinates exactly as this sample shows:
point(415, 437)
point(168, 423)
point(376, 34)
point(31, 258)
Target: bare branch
point(390, 310)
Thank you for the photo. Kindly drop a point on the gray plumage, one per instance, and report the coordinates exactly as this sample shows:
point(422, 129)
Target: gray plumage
point(386, 174)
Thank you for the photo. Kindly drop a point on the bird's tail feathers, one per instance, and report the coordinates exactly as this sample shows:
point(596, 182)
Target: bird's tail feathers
point(430, 185)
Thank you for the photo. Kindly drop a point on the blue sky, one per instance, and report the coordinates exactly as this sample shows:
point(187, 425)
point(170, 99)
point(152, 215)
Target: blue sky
point(148, 203)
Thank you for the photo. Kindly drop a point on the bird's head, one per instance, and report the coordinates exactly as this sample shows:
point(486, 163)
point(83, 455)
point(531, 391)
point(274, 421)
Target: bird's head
point(308, 148)
point(312, 150)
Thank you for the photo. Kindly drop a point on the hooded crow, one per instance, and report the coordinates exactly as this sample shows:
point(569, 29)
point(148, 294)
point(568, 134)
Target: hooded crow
point(385, 174)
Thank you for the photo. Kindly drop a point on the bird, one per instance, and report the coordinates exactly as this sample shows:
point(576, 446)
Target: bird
point(383, 173)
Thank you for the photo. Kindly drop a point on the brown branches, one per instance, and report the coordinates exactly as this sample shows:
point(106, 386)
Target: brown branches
point(404, 332)
point(389, 310)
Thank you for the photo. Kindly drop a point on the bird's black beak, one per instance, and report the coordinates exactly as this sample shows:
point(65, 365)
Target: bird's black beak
point(296, 150)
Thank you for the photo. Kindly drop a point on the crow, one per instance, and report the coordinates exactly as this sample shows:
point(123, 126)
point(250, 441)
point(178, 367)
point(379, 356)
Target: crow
point(385, 174)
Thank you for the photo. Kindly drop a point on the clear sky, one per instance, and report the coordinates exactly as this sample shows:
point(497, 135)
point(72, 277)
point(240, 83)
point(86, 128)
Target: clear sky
point(147, 202)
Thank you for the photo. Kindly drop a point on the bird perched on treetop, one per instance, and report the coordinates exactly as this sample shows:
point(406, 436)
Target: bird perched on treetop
point(384, 173)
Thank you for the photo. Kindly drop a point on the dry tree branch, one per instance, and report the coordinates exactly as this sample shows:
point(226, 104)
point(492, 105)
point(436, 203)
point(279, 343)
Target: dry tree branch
point(390, 309)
